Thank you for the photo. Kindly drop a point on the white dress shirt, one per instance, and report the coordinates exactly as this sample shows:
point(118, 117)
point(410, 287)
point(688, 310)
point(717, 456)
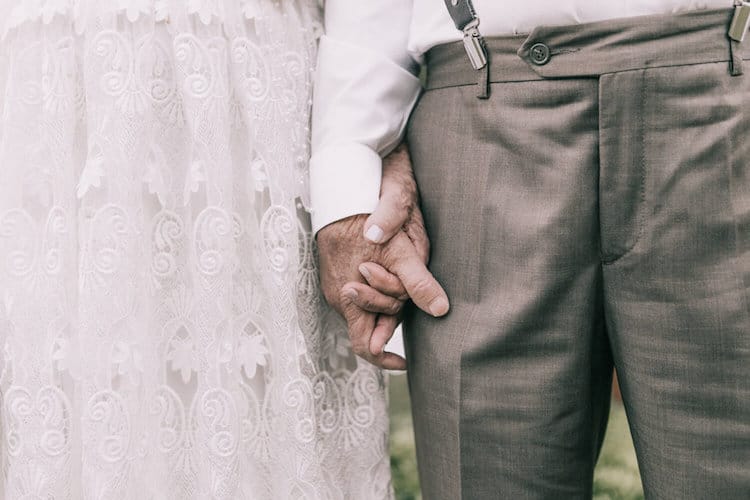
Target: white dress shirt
point(366, 86)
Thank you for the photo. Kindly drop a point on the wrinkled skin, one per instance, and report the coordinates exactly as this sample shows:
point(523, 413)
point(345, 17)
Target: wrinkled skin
point(368, 282)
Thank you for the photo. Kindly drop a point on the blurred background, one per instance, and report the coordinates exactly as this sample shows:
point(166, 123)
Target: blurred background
point(616, 476)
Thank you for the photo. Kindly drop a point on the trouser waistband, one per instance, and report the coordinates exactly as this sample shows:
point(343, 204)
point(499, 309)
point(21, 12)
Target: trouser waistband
point(593, 49)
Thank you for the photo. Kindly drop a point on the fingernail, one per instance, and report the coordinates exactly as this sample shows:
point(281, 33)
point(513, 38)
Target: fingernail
point(365, 272)
point(439, 307)
point(351, 293)
point(374, 234)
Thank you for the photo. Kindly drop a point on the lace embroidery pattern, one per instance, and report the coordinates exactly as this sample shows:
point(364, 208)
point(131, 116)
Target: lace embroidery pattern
point(163, 334)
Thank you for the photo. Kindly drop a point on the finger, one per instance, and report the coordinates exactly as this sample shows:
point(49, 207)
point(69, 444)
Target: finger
point(360, 324)
point(371, 300)
point(389, 361)
point(398, 198)
point(420, 284)
point(418, 235)
point(380, 279)
point(389, 216)
point(384, 328)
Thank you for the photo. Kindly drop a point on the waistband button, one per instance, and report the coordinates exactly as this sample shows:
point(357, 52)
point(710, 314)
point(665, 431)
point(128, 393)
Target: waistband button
point(539, 54)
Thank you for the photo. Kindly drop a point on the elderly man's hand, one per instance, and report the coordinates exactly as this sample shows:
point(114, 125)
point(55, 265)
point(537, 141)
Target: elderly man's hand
point(391, 257)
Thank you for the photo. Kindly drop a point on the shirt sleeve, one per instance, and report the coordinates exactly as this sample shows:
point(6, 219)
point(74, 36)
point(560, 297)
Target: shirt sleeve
point(365, 88)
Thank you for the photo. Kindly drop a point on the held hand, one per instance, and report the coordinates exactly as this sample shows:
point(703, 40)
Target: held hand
point(398, 197)
point(342, 250)
point(401, 265)
point(393, 270)
point(397, 211)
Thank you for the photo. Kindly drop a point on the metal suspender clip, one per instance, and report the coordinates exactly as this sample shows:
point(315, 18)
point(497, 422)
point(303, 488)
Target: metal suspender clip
point(465, 18)
point(740, 21)
point(474, 46)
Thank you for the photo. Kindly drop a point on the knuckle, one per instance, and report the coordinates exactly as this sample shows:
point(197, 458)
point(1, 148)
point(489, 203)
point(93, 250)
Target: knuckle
point(363, 300)
point(406, 201)
point(340, 298)
point(394, 257)
point(389, 256)
point(424, 253)
point(368, 303)
point(423, 287)
point(395, 307)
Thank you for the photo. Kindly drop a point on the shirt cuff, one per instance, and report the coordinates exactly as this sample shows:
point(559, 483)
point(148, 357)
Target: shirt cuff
point(344, 181)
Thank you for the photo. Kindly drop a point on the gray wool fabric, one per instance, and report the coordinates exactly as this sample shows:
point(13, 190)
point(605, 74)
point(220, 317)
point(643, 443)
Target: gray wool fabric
point(594, 210)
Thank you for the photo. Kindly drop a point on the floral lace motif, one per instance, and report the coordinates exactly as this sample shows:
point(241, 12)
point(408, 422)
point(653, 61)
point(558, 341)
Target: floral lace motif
point(163, 334)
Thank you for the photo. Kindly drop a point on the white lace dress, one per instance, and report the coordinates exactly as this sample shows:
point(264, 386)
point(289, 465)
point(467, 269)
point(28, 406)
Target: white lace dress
point(162, 331)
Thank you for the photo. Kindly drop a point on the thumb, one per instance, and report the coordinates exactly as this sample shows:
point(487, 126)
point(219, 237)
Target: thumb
point(398, 198)
point(388, 218)
point(420, 284)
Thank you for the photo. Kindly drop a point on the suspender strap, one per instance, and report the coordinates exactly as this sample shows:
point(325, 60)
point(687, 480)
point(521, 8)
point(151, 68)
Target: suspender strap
point(466, 20)
point(462, 12)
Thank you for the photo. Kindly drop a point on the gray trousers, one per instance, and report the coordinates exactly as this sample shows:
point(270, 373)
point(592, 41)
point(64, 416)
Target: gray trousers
point(594, 211)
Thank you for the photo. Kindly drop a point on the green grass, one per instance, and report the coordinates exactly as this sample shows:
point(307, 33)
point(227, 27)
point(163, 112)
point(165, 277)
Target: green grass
point(403, 459)
point(616, 476)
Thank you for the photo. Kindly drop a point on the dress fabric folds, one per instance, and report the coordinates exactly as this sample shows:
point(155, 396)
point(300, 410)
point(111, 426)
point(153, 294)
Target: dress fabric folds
point(162, 331)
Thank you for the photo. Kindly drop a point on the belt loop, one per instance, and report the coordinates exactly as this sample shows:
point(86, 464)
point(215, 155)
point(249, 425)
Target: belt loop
point(735, 58)
point(484, 79)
